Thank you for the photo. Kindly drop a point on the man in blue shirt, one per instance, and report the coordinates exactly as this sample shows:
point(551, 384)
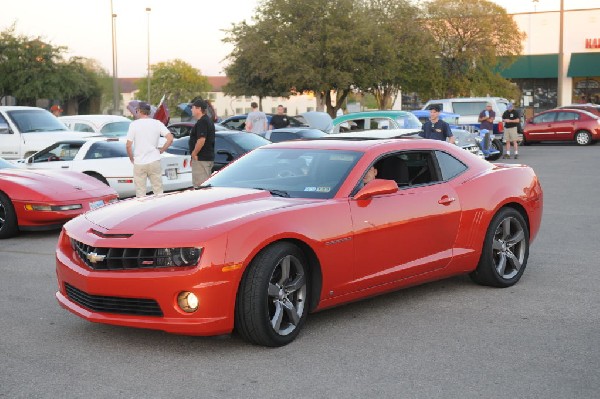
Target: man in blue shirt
point(435, 128)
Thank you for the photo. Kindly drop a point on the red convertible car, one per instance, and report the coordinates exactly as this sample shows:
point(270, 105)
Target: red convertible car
point(292, 228)
point(45, 199)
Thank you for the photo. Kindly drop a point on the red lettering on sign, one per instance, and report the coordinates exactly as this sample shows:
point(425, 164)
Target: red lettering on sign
point(592, 43)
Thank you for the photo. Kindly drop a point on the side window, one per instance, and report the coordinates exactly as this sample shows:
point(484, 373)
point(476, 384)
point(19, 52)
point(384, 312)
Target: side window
point(57, 152)
point(357, 124)
point(410, 168)
point(276, 137)
point(450, 167)
point(567, 116)
point(468, 108)
point(380, 123)
point(106, 149)
point(545, 118)
point(82, 127)
point(224, 150)
point(236, 124)
point(3, 125)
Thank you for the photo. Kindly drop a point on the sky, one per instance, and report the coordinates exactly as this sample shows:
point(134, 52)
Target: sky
point(190, 30)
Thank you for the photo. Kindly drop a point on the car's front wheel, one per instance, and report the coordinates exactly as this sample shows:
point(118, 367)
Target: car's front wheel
point(497, 145)
point(272, 301)
point(8, 217)
point(505, 250)
point(582, 137)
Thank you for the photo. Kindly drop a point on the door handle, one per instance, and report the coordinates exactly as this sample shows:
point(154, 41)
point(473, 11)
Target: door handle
point(445, 200)
point(65, 167)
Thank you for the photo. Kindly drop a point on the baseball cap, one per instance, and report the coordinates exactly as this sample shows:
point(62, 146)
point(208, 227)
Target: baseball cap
point(200, 104)
point(56, 108)
point(144, 106)
point(509, 106)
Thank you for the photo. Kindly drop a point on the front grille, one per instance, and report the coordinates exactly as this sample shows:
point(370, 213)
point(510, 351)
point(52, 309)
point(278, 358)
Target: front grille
point(122, 258)
point(113, 304)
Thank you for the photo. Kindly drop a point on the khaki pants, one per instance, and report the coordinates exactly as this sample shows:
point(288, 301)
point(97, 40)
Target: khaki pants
point(152, 171)
point(200, 171)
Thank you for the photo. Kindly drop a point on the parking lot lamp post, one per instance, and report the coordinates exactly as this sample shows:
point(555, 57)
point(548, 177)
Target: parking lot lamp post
point(113, 17)
point(148, 9)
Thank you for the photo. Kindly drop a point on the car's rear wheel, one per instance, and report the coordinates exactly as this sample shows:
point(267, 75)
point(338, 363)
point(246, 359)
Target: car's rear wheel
point(97, 176)
point(8, 217)
point(272, 301)
point(505, 250)
point(497, 145)
point(582, 137)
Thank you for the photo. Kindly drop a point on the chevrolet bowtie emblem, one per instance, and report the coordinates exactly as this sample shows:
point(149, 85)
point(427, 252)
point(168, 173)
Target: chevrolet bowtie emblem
point(95, 258)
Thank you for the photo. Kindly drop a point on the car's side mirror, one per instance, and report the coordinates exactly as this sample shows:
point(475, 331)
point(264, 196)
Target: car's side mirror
point(376, 187)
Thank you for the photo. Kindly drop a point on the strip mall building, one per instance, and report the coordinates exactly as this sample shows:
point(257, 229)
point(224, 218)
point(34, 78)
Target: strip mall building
point(536, 71)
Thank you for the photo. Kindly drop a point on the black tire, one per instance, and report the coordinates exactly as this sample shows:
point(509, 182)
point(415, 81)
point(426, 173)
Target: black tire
point(497, 144)
point(583, 137)
point(8, 218)
point(97, 176)
point(505, 250)
point(272, 301)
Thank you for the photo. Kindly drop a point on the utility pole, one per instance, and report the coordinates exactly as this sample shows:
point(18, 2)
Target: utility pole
point(561, 56)
point(148, 9)
point(116, 96)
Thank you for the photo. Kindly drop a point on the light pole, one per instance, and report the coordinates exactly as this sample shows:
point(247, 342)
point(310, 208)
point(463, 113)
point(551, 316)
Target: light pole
point(148, 9)
point(113, 17)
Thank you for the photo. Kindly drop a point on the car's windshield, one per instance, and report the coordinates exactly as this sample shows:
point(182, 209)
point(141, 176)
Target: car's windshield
point(35, 120)
point(249, 141)
point(115, 129)
point(61, 151)
point(5, 164)
point(298, 173)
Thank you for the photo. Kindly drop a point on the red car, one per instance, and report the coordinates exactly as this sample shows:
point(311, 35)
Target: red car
point(562, 125)
point(45, 199)
point(292, 228)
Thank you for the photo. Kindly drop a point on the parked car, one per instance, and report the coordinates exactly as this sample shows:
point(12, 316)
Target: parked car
point(107, 160)
point(238, 122)
point(45, 199)
point(469, 109)
point(290, 228)
point(562, 125)
point(589, 107)
point(229, 145)
point(25, 130)
point(376, 120)
point(292, 133)
point(183, 129)
point(492, 151)
point(106, 125)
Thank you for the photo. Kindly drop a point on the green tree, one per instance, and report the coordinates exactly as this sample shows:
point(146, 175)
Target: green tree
point(473, 37)
point(176, 79)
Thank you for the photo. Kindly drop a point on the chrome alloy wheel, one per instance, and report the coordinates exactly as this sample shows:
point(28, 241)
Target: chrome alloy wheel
point(286, 295)
point(509, 248)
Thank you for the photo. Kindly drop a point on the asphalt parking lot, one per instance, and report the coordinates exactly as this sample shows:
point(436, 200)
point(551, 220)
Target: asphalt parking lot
point(449, 339)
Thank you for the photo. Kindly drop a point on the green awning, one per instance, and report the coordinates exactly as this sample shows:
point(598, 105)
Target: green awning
point(532, 67)
point(584, 65)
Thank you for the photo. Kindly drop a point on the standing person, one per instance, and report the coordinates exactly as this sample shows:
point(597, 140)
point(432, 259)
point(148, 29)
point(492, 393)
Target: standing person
point(56, 110)
point(435, 128)
point(143, 151)
point(279, 120)
point(202, 143)
point(256, 121)
point(511, 119)
point(486, 120)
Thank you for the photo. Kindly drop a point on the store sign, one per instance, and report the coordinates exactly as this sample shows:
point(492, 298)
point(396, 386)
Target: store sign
point(592, 43)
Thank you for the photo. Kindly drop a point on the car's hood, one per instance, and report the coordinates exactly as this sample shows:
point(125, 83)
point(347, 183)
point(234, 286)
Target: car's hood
point(188, 210)
point(318, 120)
point(54, 184)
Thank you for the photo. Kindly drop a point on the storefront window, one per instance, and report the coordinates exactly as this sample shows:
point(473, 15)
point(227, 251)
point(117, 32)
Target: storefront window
point(586, 90)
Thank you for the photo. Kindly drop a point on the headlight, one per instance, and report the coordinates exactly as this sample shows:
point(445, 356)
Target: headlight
point(49, 208)
point(177, 256)
point(187, 301)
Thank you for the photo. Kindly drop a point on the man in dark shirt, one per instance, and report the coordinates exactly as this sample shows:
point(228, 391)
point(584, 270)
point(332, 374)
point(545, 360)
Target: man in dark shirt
point(202, 143)
point(435, 128)
point(511, 119)
point(279, 120)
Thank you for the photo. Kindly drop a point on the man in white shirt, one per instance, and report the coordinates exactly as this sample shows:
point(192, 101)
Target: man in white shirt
point(143, 151)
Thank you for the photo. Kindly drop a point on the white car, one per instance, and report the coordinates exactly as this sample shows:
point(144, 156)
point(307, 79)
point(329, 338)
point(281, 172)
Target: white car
point(107, 125)
point(106, 159)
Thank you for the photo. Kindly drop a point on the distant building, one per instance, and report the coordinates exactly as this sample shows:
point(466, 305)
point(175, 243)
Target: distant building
point(229, 105)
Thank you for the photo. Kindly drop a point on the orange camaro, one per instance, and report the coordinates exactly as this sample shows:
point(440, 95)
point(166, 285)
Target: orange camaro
point(296, 227)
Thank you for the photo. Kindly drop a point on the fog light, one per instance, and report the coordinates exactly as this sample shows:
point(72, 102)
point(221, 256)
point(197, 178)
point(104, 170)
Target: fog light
point(187, 301)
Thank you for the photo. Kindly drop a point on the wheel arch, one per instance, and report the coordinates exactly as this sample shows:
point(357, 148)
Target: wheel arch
point(314, 266)
point(519, 208)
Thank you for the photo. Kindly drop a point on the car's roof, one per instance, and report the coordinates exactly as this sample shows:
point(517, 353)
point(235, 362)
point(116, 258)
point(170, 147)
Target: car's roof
point(367, 114)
